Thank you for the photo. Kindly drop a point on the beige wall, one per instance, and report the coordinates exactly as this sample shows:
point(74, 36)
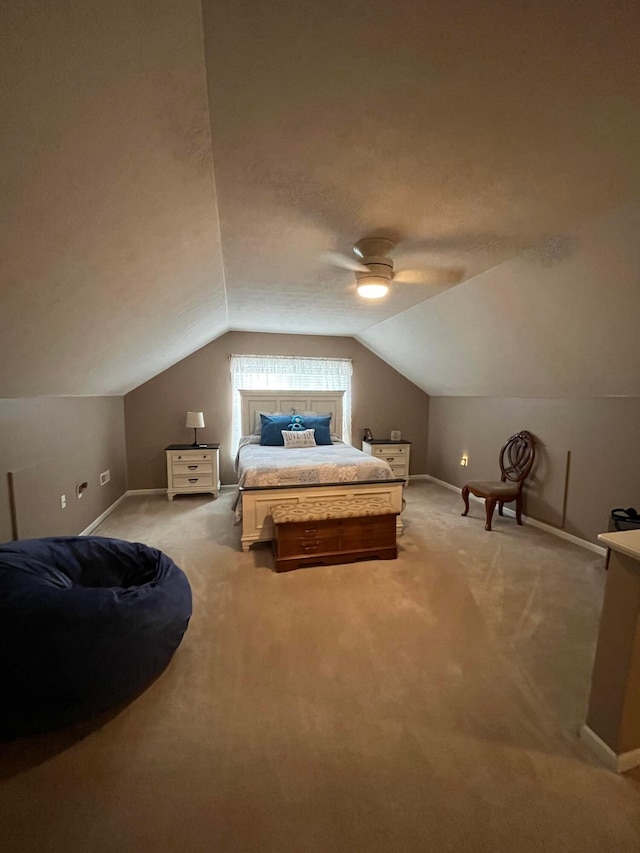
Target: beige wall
point(154, 413)
point(599, 434)
point(51, 444)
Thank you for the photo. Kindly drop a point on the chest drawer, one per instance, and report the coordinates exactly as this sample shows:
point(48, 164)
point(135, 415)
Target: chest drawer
point(307, 546)
point(369, 532)
point(322, 529)
point(334, 540)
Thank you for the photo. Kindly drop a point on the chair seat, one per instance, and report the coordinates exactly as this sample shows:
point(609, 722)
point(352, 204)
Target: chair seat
point(493, 489)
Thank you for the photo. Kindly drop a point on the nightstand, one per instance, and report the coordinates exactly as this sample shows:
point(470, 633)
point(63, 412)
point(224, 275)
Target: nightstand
point(395, 452)
point(191, 470)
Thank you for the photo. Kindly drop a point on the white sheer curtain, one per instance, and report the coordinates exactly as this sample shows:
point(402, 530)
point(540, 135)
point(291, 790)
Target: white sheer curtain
point(280, 373)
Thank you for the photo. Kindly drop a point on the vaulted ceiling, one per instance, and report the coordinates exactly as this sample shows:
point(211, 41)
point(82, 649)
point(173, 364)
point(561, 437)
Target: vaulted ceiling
point(173, 170)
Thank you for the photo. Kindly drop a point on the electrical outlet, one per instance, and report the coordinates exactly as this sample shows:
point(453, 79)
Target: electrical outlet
point(63, 501)
point(105, 477)
point(464, 461)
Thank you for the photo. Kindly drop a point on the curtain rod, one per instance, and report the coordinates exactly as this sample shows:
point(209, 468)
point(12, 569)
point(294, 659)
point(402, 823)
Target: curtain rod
point(316, 357)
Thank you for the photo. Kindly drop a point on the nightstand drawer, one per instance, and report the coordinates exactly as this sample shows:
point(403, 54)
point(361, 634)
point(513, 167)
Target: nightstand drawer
point(388, 450)
point(190, 482)
point(192, 456)
point(192, 468)
point(398, 470)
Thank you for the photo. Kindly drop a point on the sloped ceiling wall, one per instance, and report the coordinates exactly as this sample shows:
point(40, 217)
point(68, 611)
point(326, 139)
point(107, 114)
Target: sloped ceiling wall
point(111, 265)
point(173, 170)
point(560, 324)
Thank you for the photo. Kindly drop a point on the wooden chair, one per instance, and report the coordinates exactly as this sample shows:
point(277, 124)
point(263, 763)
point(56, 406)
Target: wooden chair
point(516, 460)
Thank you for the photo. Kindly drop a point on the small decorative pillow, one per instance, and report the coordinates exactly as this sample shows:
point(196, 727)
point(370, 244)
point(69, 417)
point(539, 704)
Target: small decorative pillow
point(298, 438)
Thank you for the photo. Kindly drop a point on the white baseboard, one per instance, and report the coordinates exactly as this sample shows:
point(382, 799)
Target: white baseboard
point(163, 491)
point(127, 494)
point(102, 517)
point(620, 762)
point(576, 540)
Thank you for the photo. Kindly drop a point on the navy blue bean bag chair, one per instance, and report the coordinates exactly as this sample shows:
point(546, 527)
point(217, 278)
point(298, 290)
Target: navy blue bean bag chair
point(85, 623)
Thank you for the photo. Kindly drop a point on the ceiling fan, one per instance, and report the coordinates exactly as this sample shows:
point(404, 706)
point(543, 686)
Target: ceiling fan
point(374, 270)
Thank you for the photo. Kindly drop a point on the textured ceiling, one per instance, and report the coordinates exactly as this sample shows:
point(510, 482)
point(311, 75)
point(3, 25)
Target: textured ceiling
point(170, 172)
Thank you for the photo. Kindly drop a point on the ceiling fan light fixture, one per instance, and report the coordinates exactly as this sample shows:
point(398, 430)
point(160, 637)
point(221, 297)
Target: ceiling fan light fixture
point(371, 288)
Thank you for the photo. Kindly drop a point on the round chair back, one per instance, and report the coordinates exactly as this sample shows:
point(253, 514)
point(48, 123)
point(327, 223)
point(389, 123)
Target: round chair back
point(517, 457)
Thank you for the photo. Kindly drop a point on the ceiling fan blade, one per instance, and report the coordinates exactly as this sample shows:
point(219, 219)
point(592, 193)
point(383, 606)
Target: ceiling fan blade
point(431, 275)
point(343, 261)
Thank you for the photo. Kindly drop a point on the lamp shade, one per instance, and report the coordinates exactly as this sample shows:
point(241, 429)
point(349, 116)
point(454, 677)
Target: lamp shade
point(195, 420)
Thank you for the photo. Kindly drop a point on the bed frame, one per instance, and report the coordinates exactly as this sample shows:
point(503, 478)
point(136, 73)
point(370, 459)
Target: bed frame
point(257, 524)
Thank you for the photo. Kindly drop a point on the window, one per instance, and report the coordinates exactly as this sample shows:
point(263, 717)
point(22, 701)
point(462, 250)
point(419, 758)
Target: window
point(289, 373)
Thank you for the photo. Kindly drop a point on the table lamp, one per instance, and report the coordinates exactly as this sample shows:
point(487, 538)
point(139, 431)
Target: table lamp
point(195, 421)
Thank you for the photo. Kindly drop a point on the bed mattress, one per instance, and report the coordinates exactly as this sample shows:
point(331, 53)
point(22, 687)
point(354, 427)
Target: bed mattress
point(262, 467)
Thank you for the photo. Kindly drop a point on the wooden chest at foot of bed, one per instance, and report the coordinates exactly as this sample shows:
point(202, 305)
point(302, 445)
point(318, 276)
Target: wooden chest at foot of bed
point(340, 532)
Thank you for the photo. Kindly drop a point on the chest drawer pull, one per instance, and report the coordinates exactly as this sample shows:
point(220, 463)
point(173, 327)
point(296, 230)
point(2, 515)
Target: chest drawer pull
point(192, 467)
point(310, 531)
point(193, 479)
point(310, 546)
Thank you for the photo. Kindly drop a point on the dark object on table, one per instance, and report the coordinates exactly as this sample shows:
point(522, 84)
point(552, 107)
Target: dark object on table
point(367, 435)
point(86, 622)
point(625, 519)
point(516, 459)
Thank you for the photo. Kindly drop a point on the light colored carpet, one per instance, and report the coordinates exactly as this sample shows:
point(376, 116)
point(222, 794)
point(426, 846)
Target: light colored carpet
point(429, 703)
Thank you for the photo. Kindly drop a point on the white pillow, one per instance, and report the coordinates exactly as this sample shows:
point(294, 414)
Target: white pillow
point(298, 437)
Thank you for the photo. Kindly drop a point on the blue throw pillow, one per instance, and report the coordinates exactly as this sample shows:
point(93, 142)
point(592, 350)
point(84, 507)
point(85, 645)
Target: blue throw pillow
point(271, 426)
point(321, 426)
point(271, 435)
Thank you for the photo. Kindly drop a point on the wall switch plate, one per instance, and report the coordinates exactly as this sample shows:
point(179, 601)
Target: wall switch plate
point(63, 501)
point(105, 477)
point(464, 461)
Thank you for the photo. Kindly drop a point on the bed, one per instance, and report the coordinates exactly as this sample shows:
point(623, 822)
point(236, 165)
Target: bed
point(276, 475)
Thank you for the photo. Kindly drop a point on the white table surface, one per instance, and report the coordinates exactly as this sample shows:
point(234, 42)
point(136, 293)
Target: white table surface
point(625, 541)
